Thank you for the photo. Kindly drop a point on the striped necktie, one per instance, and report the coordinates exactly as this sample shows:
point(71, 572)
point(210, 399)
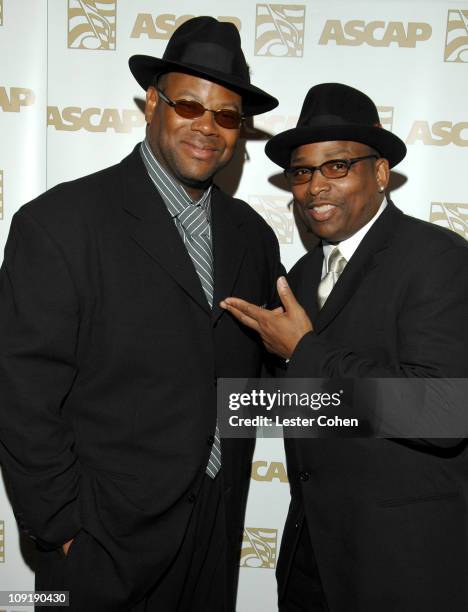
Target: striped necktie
point(336, 265)
point(197, 239)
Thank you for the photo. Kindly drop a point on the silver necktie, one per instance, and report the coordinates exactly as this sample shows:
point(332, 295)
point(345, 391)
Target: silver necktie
point(336, 265)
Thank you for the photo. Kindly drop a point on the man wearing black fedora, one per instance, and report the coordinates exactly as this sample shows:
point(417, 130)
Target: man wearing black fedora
point(112, 339)
point(374, 524)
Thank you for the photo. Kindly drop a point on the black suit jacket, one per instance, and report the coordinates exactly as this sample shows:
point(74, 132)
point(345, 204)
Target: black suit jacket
point(388, 519)
point(109, 355)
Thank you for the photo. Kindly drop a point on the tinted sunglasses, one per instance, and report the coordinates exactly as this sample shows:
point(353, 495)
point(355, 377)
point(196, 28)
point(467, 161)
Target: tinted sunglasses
point(189, 109)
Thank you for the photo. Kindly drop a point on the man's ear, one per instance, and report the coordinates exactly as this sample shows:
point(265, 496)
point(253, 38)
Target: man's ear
point(382, 171)
point(151, 104)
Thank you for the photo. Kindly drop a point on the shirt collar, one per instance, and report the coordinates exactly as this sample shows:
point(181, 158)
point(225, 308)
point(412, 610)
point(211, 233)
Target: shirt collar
point(348, 247)
point(173, 193)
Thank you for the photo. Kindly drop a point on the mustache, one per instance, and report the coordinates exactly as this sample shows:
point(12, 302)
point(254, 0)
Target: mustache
point(203, 143)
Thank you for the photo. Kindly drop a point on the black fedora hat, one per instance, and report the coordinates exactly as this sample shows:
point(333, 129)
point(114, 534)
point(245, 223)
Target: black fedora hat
point(333, 111)
point(210, 49)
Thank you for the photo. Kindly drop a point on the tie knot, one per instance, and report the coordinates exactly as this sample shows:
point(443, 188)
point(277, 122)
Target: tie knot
point(194, 220)
point(336, 261)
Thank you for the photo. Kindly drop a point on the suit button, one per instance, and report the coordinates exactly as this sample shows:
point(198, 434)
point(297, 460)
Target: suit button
point(304, 476)
point(210, 440)
point(192, 497)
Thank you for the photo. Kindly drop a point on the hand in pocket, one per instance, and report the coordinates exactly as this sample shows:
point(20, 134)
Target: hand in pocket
point(66, 546)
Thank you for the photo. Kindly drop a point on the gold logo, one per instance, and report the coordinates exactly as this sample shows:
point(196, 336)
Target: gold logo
point(275, 211)
point(1, 12)
point(13, 98)
point(374, 33)
point(2, 541)
point(74, 118)
point(386, 116)
point(456, 38)
point(1, 195)
point(91, 24)
point(259, 548)
point(163, 26)
point(267, 472)
point(439, 134)
point(451, 216)
point(279, 30)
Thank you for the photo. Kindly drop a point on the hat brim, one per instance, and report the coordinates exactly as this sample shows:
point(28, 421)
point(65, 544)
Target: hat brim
point(255, 101)
point(389, 146)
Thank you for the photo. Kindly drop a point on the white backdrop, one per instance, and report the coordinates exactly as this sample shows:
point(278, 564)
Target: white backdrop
point(66, 60)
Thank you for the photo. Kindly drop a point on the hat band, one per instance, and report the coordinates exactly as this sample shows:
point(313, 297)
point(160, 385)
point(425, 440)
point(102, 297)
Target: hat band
point(329, 120)
point(205, 55)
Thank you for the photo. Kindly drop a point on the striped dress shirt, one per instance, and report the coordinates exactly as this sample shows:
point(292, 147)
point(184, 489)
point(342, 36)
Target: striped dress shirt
point(173, 194)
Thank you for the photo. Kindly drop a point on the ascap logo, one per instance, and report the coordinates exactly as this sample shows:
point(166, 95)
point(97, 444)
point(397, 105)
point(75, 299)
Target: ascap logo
point(279, 30)
point(74, 118)
point(439, 134)
point(452, 216)
point(456, 39)
point(267, 472)
point(91, 24)
point(13, 98)
point(374, 33)
point(259, 548)
point(163, 26)
point(1, 195)
point(2, 541)
point(386, 116)
point(274, 209)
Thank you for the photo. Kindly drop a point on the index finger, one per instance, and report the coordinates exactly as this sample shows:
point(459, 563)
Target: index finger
point(247, 308)
point(241, 316)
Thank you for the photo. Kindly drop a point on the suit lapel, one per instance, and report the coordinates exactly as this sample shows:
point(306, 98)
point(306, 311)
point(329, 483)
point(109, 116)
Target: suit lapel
point(154, 230)
point(365, 258)
point(307, 285)
point(228, 248)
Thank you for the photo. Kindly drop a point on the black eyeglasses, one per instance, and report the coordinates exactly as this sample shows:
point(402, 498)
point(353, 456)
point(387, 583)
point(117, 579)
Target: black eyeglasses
point(333, 169)
point(189, 109)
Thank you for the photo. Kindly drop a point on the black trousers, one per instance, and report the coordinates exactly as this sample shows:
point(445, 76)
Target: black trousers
point(195, 582)
point(304, 592)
